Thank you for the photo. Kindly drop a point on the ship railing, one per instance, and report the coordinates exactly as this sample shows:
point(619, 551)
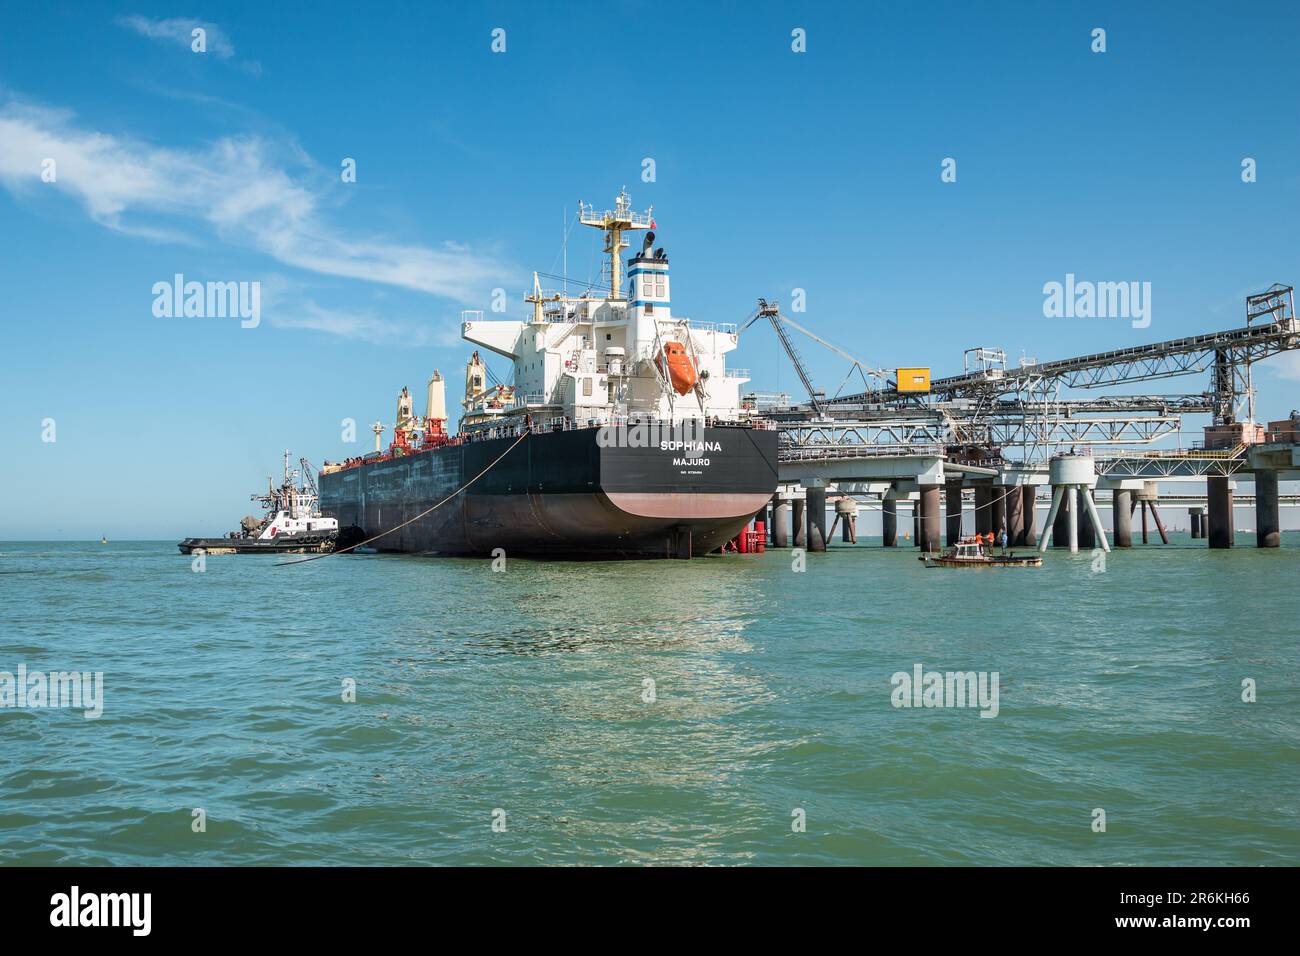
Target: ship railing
point(726, 328)
point(736, 373)
point(621, 421)
point(531, 400)
point(557, 423)
point(588, 214)
point(805, 452)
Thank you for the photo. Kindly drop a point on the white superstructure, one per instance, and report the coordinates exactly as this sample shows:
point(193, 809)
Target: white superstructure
point(615, 356)
point(292, 509)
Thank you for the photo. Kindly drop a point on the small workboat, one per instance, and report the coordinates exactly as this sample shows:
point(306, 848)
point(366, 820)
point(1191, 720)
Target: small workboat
point(974, 552)
point(292, 524)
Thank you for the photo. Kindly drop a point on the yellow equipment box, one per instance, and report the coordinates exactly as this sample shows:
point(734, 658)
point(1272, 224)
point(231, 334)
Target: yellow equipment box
point(913, 379)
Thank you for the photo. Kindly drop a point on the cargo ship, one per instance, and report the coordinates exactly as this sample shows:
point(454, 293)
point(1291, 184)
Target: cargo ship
point(620, 434)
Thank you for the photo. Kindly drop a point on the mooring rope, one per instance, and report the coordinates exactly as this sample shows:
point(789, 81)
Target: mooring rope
point(359, 544)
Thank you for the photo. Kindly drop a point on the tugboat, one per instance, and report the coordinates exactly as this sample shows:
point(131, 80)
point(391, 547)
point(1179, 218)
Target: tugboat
point(972, 552)
point(292, 524)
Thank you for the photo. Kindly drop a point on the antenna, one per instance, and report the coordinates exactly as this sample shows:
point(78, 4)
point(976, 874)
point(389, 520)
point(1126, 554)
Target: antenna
point(614, 223)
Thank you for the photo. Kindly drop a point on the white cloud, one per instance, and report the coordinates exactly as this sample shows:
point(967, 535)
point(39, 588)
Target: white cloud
point(287, 305)
point(1286, 365)
point(246, 191)
point(365, 326)
point(181, 30)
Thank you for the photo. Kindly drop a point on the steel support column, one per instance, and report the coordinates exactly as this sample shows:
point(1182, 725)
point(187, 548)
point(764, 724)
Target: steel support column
point(1267, 520)
point(930, 540)
point(1219, 493)
point(952, 502)
point(1121, 516)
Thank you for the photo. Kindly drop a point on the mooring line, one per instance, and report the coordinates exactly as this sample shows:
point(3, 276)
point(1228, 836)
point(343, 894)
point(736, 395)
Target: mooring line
point(493, 464)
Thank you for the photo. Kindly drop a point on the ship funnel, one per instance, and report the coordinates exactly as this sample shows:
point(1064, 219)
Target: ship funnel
point(436, 406)
point(649, 241)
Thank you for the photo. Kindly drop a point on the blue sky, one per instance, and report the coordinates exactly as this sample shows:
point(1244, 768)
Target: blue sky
point(774, 170)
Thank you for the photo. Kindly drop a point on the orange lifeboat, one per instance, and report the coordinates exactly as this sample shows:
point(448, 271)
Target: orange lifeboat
point(681, 370)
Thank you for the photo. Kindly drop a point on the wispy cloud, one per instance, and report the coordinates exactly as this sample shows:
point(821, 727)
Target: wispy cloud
point(246, 191)
point(181, 30)
point(289, 305)
point(1285, 365)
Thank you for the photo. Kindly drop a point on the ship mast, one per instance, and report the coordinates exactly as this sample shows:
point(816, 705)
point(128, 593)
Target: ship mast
point(614, 223)
point(539, 300)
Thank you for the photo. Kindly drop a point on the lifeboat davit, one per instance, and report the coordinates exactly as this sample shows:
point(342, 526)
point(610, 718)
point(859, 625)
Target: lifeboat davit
point(681, 370)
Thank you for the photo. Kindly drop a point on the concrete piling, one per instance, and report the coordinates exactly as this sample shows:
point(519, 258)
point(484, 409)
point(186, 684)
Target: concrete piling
point(1146, 501)
point(930, 540)
point(998, 511)
point(1160, 525)
point(952, 502)
point(846, 513)
point(1031, 516)
point(1073, 477)
point(1087, 533)
point(1072, 524)
point(1121, 517)
point(1061, 526)
point(816, 518)
point(799, 523)
point(1194, 521)
point(889, 520)
point(983, 508)
point(1015, 516)
point(781, 523)
point(1221, 532)
point(1267, 521)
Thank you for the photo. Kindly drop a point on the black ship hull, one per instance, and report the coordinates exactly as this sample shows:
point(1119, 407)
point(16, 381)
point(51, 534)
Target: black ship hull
point(586, 493)
point(280, 544)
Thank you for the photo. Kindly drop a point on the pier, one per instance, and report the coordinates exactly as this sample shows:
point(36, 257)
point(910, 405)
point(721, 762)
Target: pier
point(1001, 443)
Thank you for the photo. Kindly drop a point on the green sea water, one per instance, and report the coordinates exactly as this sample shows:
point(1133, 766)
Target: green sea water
point(521, 697)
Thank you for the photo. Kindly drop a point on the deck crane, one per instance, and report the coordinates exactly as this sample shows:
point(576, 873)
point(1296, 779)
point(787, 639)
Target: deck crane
point(772, 312)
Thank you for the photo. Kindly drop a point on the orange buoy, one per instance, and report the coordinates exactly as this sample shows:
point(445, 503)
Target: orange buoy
point(681, 370)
